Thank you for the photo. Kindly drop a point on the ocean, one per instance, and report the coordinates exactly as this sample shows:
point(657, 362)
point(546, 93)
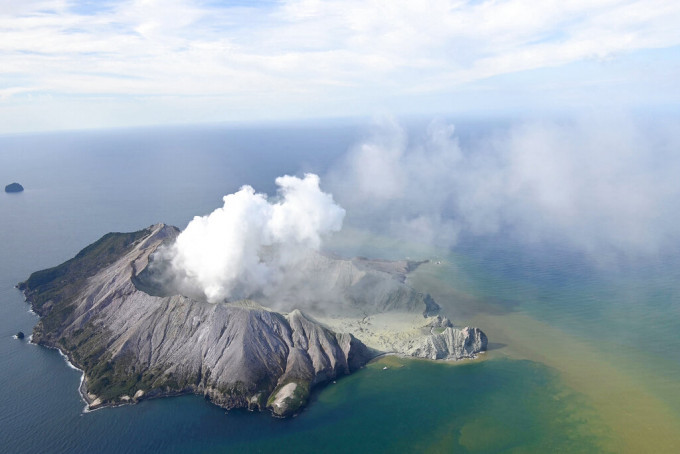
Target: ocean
point(581, 358)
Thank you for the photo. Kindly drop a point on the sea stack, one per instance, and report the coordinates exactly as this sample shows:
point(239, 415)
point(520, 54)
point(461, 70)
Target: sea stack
point(14, 187)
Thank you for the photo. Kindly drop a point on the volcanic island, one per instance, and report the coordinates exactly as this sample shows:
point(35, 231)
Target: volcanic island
point(135, 338)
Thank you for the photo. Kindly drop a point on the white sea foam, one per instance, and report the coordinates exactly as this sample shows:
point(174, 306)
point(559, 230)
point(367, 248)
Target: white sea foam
point(82, 376)
point(68, 361)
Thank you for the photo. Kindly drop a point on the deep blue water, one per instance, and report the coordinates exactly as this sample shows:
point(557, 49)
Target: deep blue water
point(82, 185)
point(79, 186)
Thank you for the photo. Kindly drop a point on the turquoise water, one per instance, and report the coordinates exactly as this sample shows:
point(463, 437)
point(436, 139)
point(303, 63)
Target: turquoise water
point(632, 309)
point(611, 333)
point(524, 396)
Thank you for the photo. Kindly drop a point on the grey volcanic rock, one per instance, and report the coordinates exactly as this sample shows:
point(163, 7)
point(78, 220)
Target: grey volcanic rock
point(131, 343)
point(334, 286)
point(451, 343)
point(439, 322)
point(14, 187)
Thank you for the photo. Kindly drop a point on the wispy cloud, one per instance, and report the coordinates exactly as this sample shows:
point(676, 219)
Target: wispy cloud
point(285, 58)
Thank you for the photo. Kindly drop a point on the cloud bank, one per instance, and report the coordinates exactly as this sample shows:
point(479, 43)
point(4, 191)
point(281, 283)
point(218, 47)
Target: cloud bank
point(79, 63)
point(606, 187)
point(600, 186)
point(246, 245)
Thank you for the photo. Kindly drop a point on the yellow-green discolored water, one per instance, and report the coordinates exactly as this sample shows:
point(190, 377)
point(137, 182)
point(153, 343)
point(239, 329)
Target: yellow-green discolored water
point(628, 399)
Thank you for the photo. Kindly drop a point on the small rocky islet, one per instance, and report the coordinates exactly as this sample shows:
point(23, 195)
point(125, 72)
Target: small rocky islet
point(132, 343)
point(14, 187)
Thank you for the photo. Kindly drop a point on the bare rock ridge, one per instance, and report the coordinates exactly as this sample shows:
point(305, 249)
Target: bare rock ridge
point(334, 286)
point(132, 344)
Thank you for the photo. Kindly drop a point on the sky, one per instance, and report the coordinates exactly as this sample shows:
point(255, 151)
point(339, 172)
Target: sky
point(79, 64)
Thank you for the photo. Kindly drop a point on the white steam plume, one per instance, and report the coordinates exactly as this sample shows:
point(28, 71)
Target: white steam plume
point(240, 249)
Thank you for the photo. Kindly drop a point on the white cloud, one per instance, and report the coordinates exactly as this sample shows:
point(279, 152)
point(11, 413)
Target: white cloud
point(602, 185)
point(351, 52)
point(249, 243)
